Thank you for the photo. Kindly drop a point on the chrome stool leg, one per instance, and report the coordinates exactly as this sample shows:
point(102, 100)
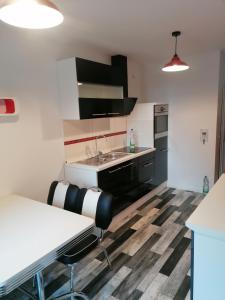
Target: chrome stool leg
point(72, 269)
point(106, 256)
point(72, 294)
point(40, 286)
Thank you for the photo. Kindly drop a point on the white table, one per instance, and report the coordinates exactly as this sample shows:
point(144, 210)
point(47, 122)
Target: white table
point(32, 236)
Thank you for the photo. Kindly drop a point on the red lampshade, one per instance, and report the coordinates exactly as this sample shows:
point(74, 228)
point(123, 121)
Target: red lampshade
point(175, 65)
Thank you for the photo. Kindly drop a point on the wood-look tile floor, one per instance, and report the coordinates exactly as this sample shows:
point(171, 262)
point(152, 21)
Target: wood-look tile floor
point(150, 253)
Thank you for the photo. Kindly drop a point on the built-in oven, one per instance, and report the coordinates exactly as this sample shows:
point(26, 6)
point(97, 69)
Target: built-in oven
point(160, 121)
point(161, 143)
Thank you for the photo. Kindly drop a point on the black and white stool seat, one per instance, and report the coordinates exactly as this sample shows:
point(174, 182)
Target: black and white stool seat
point(87, 202)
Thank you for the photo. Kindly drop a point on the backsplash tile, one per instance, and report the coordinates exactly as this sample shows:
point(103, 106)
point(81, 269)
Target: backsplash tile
point(80, 129)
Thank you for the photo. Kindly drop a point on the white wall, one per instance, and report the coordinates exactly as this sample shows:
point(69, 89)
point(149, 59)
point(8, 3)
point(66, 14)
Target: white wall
point(31, 146)
point(192, 98)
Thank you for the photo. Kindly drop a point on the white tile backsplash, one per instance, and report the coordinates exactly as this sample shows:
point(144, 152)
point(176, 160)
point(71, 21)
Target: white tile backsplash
point(96, 127)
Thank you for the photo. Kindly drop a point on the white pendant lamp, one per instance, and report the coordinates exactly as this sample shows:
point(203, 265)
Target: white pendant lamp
point(176, 64)
point(33, 14)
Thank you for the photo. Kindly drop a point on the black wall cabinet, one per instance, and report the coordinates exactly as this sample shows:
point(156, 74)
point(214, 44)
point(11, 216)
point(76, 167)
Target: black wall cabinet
point(108, 80)
point(119, 72)
point(98, 73)
point(102, 108)
point(93, 72)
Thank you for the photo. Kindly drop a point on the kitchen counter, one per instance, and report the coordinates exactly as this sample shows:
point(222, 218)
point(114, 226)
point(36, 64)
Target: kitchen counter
point(209, 217)
point(208, 245)
point(139, 151)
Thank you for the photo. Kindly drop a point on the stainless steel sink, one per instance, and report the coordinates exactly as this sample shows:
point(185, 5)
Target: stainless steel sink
point(103, 158)
point(112, 155)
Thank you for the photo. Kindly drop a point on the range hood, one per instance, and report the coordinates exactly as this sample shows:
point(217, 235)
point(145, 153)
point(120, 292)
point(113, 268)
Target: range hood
point(94, 90)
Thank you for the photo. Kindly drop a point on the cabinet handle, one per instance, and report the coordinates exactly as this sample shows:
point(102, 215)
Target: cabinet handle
point(115, 113)
point(163, 150)
point(148, 164)
point(149, 180)
point(104, 114)
point(126, 166)
point(115, 170)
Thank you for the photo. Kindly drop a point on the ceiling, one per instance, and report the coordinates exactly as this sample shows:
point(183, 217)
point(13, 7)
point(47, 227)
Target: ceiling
point(142, 28)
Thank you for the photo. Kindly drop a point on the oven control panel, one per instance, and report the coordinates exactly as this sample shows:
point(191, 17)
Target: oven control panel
point(161, 108)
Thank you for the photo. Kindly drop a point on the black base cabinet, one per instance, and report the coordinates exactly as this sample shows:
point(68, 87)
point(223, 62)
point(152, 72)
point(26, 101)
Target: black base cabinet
point(128, 181)
point(161, 161)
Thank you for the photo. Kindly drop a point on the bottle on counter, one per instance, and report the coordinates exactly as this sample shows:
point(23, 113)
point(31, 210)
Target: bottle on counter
point(132, 141)
point(205, 185)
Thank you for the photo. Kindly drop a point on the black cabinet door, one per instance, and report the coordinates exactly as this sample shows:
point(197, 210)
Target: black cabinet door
point(93, 108)
point(145, 168)
point(119, 72)
point(115, 107)
point(117, 179)
point(128, 181)
point(160, 167)
point(93, 72)
point(161, 161)
point(100, 108)
point(104, 108)
point(146, 165)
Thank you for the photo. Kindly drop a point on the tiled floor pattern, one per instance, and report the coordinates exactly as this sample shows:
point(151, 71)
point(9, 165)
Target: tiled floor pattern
point(150, 252)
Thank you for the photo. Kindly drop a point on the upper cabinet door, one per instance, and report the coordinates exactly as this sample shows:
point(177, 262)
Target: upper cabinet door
point(100, 108)
point(93, 72)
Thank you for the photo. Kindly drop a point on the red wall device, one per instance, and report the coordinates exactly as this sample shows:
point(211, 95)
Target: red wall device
point(7, 107)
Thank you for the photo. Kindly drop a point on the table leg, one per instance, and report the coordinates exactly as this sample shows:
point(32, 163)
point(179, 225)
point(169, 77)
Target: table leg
point(40, 286)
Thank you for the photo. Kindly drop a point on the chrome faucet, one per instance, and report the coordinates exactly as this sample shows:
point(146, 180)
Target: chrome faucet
point(98, 153)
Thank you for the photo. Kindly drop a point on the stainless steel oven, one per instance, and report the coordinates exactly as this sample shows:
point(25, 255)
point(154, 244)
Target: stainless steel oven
point(160, 120)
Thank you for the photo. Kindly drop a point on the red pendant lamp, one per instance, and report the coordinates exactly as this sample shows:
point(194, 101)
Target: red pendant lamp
point(176, 64)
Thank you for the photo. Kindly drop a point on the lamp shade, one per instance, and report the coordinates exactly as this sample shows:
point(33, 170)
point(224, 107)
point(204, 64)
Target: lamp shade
point(175, 65)
point(33, 14)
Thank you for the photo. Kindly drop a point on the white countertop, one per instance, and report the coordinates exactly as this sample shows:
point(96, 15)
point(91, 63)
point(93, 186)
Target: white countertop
point(111, 163)
point(30, 230)
point(209, 217)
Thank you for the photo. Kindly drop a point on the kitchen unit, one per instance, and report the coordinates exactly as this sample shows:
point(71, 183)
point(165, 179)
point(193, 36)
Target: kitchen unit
point(127, 176)
point(90, 89)
point(208, 245)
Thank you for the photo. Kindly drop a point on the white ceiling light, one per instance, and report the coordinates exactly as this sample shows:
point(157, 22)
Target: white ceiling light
point(33, 14)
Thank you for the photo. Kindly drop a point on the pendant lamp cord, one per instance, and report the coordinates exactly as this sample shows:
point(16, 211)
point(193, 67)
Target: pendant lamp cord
point(175, 45)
